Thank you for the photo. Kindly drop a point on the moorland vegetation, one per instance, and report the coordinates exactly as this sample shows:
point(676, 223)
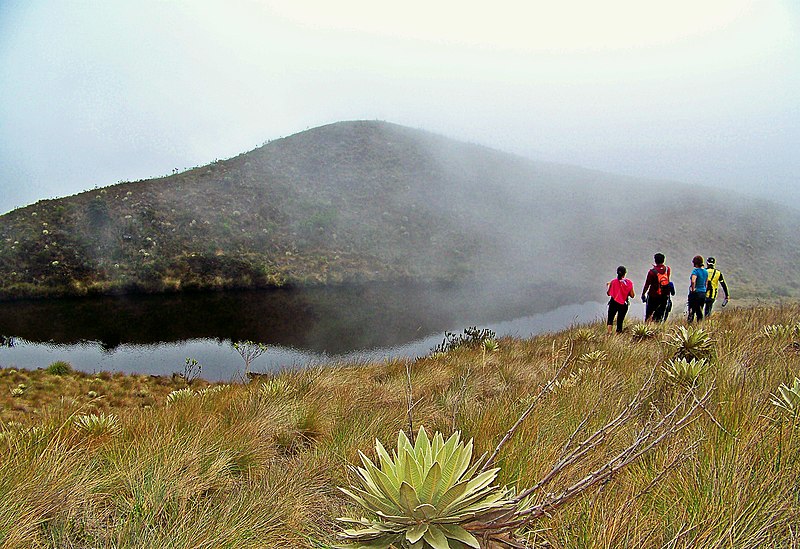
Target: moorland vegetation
point(111, 460)
point(371, 201)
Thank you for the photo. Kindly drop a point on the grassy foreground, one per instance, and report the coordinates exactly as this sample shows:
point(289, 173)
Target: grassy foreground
point(258, 465)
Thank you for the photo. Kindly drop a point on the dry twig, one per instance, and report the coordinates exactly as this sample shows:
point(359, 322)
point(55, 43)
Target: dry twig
point(409, 403)
point(648, 438)
point(543, 391)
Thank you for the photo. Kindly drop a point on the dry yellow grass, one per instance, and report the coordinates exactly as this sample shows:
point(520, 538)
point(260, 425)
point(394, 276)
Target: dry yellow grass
point(258, 465)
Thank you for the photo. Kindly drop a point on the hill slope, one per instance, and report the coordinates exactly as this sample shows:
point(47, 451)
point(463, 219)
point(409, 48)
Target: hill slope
point(357, 201)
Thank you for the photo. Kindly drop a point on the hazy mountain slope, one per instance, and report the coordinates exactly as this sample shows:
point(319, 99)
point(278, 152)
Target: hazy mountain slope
point(357, 201)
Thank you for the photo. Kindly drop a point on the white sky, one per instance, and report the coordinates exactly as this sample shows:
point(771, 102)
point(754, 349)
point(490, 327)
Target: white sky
point(95, 92)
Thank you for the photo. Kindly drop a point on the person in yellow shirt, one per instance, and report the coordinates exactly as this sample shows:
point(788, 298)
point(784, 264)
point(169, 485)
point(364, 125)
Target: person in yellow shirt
point(715, 280)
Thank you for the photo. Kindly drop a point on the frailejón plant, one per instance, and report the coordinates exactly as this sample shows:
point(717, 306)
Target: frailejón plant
point(781, 331)
point(274, 387)
point(180, 394)
point(94, 424)
point(490, 346)
point(593, 358)
point(422, 496)
point(213, 390)
point(249, 351)
point(681, 371)
point(640, 332)
point(584, 335)
point(692, 343)
point(788, 398)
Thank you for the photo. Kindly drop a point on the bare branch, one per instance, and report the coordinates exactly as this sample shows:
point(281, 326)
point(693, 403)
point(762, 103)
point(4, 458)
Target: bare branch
point(639, 447)
point(574, 434)
point(646, 440)
point(590, 443)
point(543, 391)
point(410, 403)
point(714, 420)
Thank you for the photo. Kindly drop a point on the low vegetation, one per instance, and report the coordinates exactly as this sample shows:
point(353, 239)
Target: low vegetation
point(592, 441)
point(368, 201)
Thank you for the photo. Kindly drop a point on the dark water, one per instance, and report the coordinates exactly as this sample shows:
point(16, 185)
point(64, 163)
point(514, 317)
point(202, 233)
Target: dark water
point(156, 334)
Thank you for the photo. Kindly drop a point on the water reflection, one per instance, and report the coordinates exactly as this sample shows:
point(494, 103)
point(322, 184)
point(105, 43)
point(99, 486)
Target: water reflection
point(155, 334)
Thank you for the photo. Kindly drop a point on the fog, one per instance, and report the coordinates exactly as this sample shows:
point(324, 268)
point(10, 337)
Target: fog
point(93, 93)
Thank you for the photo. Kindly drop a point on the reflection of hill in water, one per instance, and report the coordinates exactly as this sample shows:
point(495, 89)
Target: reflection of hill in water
point(332, 320)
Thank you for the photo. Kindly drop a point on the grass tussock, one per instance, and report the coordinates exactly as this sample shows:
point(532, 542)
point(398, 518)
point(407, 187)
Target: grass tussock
point(258, 465)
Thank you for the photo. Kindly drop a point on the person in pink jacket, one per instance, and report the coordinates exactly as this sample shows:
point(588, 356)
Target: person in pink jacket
point(621, 290)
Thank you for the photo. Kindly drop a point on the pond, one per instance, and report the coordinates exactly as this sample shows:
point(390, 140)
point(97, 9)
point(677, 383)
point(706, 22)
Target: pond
point(157, 334)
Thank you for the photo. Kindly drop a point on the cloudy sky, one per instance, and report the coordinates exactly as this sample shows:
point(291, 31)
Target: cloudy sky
point(97, 92)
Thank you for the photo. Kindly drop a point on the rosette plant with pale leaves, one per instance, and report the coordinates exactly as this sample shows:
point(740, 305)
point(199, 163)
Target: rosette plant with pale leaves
point(180, 394)
point(681, 371)
point(93, 424)
point(642, 332)
point(692, 344)
point(788, 398)
point(423, 496)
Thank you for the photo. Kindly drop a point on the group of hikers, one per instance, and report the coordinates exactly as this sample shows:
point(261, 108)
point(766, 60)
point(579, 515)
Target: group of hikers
point(704, 284)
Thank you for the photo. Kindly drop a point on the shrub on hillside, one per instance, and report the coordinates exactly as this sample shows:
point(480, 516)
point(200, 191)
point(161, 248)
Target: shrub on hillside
point(472, 338)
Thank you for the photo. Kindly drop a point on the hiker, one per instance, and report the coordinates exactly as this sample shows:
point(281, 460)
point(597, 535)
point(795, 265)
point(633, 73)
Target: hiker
point(620, 289)
point(715, 280)
point(697, 289)
point(655, 292)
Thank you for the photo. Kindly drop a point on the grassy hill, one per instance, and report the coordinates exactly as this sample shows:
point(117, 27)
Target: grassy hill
point(359, 201)
point(114, 461)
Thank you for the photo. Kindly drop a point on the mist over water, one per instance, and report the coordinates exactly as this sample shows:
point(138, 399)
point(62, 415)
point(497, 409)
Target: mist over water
point(156, 334)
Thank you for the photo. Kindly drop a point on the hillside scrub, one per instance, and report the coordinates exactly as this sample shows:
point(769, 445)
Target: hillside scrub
point(362, 201)
point(258, 465)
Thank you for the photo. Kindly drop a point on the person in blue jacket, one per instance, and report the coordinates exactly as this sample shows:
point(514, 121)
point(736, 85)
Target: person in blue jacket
point(697, 289)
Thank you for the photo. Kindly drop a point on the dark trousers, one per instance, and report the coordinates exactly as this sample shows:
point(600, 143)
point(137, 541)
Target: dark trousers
point(709, 306)
point(656, 307)
point(696, 302)
point(668, 308)
point(619, 310)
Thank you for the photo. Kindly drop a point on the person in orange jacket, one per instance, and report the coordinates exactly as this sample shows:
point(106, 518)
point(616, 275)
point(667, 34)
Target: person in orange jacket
point(656, 290)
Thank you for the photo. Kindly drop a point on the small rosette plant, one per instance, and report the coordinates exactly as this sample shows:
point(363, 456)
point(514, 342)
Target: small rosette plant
point(423, 496)
point(643, 331)
point(788, 398)
point(680, 371)
point(93, 424)
point(692, 344)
